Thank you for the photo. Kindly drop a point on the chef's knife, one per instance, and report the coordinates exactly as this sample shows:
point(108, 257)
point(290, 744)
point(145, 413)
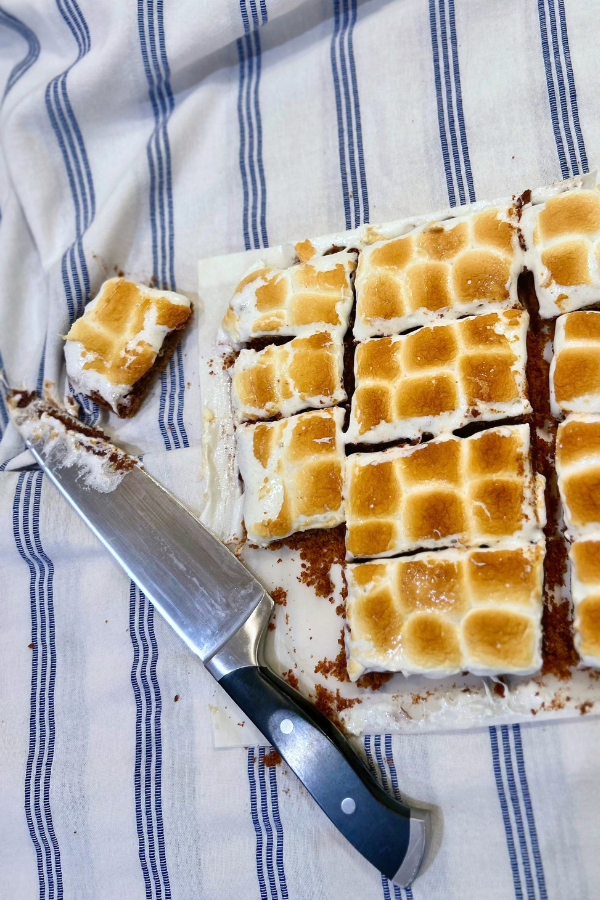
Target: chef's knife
point(221, 611)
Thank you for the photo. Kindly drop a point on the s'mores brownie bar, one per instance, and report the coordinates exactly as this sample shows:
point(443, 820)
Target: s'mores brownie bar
point(441, 613)
point(293, 472)
point(575, 368)
point(449, 491)
point(562, 237)
point(578, 470)
point(448, 269)
point(307, 372)
point(127, 333)
point(289, 302)
point(585, 593)
point(440, 377)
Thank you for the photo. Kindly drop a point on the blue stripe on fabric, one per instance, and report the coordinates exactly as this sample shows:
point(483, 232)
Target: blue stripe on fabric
point(74, 268)
point(510, 841)
point(257, 829)
point(347, 102)
point(3, 409)
point(514, 799)
point(162, 224)
point(38, 770)
point(279, 831)
point(451, 120)
point(266, 821)
point(562, 93)
point(537, 858)
point(148, 758)
point(33, 47)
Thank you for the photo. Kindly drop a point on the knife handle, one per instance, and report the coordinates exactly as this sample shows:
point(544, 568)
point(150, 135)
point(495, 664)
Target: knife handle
point(387, 833)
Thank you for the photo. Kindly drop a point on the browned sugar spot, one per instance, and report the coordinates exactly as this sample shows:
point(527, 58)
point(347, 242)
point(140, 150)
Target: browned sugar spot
point(374, 490)
point(480, 275)
point(430, 348)
point(271, 322)
point(574, 212)
point(494, 453)
point(257, 387)
point(305, 250)
point(435, 461)
point(586, 556)
point(319, 487)
point(431, 585)
point(481, 331)
point(433, 515)
point(377, 359)
point(497, 506)
point(367, 573)
point(568, 263)
point(371, 538)
point(582, 493)
point(373, 404)
point(488, 378)
point(381, 297)
point(393, 254)
point(272, 295)
point(262, 443)
point(331, 280)
point(577, 373)
point(439, 243)
point(313, 373)
point(427, 396)
point(431, 641)
point(313, 434)
point(378, 619)
point(428, 286)
point(500, 575)
point(253, 276)
point(314, 309)
point(489, 229)
point(582, 326)
point(589, 625)
point(499, 638)
point(577, 440)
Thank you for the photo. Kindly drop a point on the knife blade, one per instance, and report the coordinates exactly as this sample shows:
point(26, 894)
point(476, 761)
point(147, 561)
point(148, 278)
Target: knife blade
point(221, 611)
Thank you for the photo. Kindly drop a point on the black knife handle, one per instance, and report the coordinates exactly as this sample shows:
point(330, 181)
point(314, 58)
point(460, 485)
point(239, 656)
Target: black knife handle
point(380, 828)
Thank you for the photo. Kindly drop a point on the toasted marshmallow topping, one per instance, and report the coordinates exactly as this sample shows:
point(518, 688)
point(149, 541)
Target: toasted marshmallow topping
point(562, 236)
point(440, 377)
point(448, 491)
point(578, 469)
point(441, 613)
point(293, 474)
point(282, 380)
point(585, 593)
point(575, 368)
point(119, 336)
point(469, 264)
point(274, 302)
point(67, 442)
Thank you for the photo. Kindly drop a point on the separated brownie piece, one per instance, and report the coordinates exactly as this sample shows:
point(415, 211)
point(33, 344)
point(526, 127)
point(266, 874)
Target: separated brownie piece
point(562, 238)
point(442, 613)
point(127, 333)
point(275, 302)
point(578, 469)
point(440, 377)
point(293, 474)
point(575, 369)
point(446, 269)
point(307, 372)
point(449, 491)
point(585, 593)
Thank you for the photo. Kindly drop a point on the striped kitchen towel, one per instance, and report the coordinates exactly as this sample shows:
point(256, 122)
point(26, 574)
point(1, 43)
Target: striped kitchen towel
point(136, 138)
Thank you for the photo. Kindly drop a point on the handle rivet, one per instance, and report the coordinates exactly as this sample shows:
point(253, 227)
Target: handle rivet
point(287, 726)
point(348, 805)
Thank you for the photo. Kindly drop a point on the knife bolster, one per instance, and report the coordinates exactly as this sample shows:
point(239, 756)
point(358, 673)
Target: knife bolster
point(245, 647)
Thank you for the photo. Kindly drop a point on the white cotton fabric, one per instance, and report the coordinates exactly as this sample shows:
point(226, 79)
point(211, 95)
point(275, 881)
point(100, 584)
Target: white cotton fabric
point(518, 811)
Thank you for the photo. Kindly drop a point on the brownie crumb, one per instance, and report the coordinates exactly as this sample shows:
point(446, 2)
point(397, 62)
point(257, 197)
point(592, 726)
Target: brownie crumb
point(291, 679)
point(584, 708)
point(176, 698)
point(499, 689)
point(337, 667)
point(319, 550)
point(279, 596)
point(272, 758)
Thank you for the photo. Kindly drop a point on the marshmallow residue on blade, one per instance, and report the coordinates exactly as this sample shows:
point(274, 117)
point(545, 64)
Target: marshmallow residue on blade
point(67, 442)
